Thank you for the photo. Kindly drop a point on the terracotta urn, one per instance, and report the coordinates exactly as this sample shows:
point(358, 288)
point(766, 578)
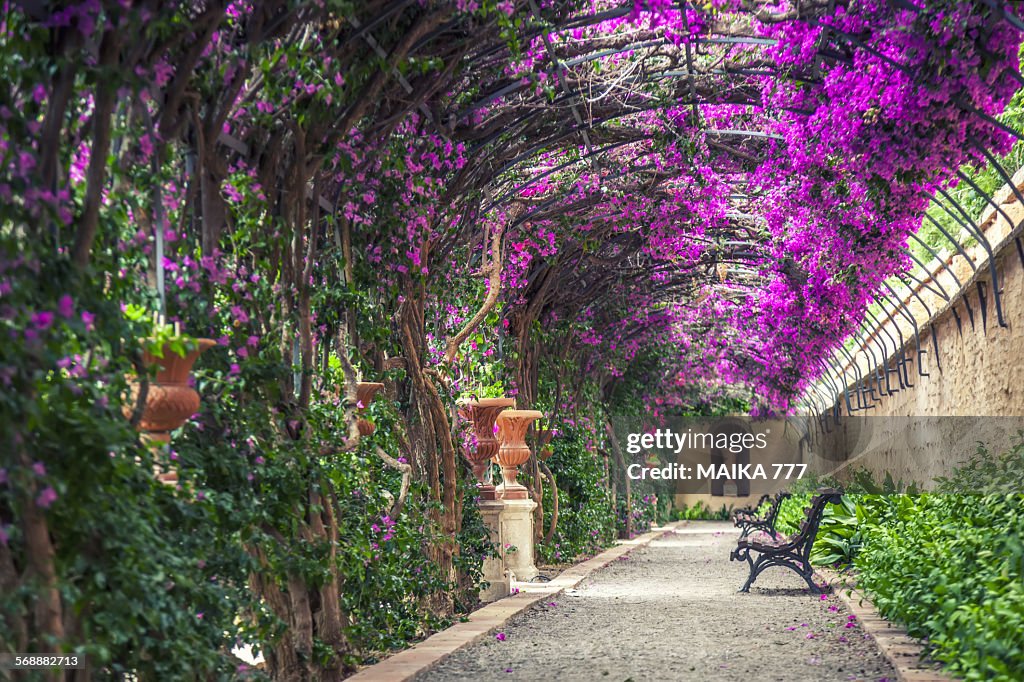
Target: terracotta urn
point(482, 414)
point(544, 437)
point(512, 427)
point(366, 391)
point(170, 401)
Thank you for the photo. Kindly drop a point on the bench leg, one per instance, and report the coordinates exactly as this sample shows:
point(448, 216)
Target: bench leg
point(808, 576)
point(765, 561)
point(755, 568)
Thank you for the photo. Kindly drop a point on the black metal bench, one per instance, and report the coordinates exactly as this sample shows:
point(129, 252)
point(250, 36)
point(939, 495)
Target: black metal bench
point(794, 551)
point(750, 509)
point(748, 520)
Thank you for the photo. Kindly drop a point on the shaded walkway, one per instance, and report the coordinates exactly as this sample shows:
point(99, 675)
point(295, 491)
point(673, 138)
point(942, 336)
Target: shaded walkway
point(671, 612)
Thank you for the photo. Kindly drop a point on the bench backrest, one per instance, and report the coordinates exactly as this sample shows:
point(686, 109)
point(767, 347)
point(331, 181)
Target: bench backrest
point(773, 511)
point(804, 539)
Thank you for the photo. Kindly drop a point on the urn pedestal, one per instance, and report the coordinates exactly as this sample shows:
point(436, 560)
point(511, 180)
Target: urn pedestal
point(517, 534)
point(517, 521)
point(482, 414)
point(494, 571)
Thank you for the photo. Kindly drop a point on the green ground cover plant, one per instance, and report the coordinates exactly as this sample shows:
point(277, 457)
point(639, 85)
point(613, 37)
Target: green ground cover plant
point(947, 564)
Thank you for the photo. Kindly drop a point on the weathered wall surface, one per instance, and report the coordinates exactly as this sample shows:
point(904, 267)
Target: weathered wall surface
point(975, 372)
point(978, 372)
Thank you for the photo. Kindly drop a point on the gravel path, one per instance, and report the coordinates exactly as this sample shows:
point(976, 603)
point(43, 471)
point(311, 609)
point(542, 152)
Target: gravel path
point(671, 611)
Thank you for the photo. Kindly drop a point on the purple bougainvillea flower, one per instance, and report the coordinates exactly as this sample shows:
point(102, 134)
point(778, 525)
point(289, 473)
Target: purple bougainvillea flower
point(237, 312)
point(42, 320)
point(824, 597)
point(500, 637)
point(46, 498)
point(39, 468)
point(508, 670)
point(66, 306)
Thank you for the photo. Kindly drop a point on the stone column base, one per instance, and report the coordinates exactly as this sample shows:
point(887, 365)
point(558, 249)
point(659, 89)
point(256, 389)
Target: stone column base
point(517, 531)
point(495, 574)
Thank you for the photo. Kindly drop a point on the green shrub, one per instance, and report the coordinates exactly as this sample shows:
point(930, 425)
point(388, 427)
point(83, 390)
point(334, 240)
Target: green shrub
point(950, 568)
point(949, 565)
point(701, 512)
point(586, 521)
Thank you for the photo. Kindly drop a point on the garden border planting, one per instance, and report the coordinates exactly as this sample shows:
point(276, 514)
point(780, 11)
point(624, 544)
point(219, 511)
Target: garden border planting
point(904, 652)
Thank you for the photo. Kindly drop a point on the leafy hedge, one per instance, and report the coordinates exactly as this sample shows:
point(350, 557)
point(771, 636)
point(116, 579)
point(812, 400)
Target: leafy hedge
point(950, 567)
point(701, 512)
point(586, 522)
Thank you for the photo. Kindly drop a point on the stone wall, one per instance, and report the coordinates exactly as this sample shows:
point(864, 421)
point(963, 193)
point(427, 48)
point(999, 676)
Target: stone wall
point(972, 371)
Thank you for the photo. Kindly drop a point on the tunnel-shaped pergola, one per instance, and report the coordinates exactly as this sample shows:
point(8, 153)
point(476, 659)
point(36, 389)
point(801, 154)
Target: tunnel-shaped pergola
point(675, 158)
point(599, 121)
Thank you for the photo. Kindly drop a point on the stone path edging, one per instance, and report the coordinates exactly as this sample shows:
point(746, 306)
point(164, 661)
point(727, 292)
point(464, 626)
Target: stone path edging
point(405, 664)
point(904, 652)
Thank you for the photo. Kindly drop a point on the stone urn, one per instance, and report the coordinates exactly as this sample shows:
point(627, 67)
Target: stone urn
point(512, 427)
point(482, 415)
point(366, 391)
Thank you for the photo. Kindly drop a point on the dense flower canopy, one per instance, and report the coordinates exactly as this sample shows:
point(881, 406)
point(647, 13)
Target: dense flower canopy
point(728, 183)
point(752, 175)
